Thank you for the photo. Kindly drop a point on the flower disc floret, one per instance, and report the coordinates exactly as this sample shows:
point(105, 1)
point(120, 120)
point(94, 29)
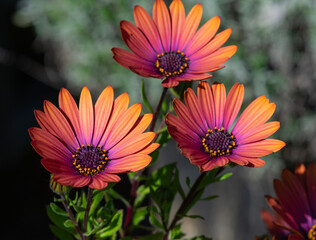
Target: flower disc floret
point(172, 63)
point(312, 233)
point(218, 142)
point(90, 160)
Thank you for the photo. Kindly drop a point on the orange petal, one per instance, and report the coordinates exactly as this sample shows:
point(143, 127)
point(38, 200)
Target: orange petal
point(123, 125)
point(183, 113)
point(259, 133)
point(177, 13)
point(233, 104)
point(219, 94)
point(206, 103)
point(213, 45)
point(120, 106)
point(86, 115)
point(68, 105)
point(72, 180)
point(149, 149)
point(137, 42)
point(260, 149)
point(97, 183)
point(192, 104)
point(148, 27)
point(131, 146)
point(43, 136)
point(170, 82)
point(216, 162)
point(60, 125)
point(191, 24)
point(162, 17)
point(51, 152)
point(203, 36)
point(103, 109)
point(257, 113)
point(130, 163)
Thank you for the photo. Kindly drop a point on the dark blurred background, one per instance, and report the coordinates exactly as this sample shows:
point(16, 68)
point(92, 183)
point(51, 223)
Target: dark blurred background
point(45, 45)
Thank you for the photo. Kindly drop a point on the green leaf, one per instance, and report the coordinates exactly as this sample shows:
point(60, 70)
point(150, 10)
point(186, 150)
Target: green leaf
point(152, 218)
point(142, 192)
point(194, 216)
point(225, 176)
point(58, 210)
point(209, 198)
point(97, 198)
point(59, 233)
point(202, 237)
point(139, 215)
point(114, 225)
point(58, 220)
point(176, 232)
point(69, 224)
point(156, 236)
point(187, 181)
point(178, 185)
point(145, 99)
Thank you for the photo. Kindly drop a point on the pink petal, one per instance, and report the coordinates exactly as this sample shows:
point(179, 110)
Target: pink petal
point(215, 162)
point(170, 82)
point(311, 187)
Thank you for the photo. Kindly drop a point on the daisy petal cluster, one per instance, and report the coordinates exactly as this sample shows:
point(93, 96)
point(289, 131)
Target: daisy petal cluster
point(89, 145)
point(294, 205)
point(169, 45)
point(205, 133)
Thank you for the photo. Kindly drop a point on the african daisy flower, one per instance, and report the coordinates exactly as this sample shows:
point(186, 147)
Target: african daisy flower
point(169, 45)
point(294, 205)
point(205, 133)
point(89, 145)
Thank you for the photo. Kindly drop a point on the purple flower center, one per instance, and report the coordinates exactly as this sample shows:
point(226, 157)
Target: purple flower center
point(172, 63)
point(218, 142)
point(90, 160)
point(312, 233)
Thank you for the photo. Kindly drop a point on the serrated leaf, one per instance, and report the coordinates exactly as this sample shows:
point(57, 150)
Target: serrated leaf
point(58, 210)
point(114, 225)
point(59, 233)
point(145, 99)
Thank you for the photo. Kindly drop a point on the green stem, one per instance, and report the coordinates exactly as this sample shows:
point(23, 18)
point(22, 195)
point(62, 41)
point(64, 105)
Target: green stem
point(86, 214)
point(135, 182)
point(72, 217)
point(153, 123)
point(187, 201)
